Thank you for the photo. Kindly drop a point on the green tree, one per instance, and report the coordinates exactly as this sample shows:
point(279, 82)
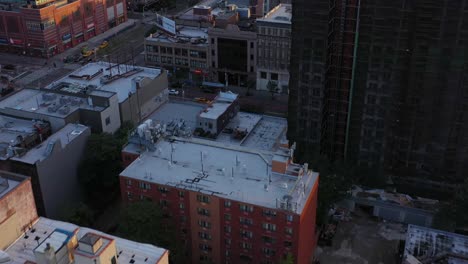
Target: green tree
point(99, 171)
point(289, 259)
point(123, 132)
point(145, 222)
point(272, 87)
point(80, 215)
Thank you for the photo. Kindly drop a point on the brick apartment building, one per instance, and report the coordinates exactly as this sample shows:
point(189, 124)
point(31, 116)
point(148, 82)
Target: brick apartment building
point(48, 27)
point(231, 204)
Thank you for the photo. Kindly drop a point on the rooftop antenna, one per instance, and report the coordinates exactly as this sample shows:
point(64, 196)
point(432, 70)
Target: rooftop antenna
point(201, 159)
point(118, 62)
point(110, 66)
point(172, 151)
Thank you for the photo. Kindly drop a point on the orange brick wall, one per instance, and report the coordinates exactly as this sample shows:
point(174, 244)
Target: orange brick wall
point(20, 200)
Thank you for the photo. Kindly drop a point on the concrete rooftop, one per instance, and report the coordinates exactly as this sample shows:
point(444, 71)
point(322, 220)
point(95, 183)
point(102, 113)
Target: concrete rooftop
point(282, 14)
point(122, 86)
point(64, 136)
point(231, 172)
point(35, 101)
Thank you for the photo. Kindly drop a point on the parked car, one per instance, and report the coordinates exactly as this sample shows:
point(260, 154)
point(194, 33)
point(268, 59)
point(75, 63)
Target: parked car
point(104, 45)
point(202, 100)
point(173, 92)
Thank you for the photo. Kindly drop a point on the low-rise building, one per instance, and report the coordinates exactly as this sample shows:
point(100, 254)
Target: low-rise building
point(214, 118)
point(139, 90)
point(187, 53)
point(28, 148)
point(233, 201)
point(274, 44)
point(48, 27)
point(427, 245)
point(96, 109)
point(17, 207)
point(25, 238)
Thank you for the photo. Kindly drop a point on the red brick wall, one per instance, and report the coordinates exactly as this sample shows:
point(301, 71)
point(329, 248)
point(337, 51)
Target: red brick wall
point(20, 200)
point(307, 237)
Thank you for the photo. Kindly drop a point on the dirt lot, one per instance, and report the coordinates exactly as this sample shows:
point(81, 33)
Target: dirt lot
point(363, 240)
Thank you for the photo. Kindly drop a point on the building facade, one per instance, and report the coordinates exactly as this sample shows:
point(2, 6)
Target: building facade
point(307, 73)
point(17, 207)
point(233, 55)
point(46, 28)
point(274, 47)
point(186, 54)
point(394, 98)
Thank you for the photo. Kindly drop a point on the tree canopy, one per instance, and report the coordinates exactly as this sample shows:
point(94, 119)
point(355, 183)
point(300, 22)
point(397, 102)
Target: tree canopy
point(145, 222)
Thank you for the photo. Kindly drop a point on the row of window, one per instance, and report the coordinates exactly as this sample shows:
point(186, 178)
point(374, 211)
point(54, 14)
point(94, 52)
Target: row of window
point(176, 51)
point(266, 226)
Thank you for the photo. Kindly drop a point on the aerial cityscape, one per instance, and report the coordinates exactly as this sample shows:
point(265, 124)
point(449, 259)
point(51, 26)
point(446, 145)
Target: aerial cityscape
point(233, 131)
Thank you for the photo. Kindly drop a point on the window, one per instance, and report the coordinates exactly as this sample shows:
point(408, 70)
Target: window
point(251, 45)
point(227, 229)
point(268, 251)
point(269, 227)
point(163, 189)
point(129, 195)
point(203, 211)
point(203, 198)
point(288, 230)
point(269, 213)
point(183, 218)
point(163, 203)
point(205, 247)
point(263, 75)
point(145, 186)
point(251, 57)
point(204, 235)
point(181, 194)
point(227, 203)
point(227, 241)
point(246, 221)
point(287, 243)
point(228, 253)
point(267, 239)
point(246, 208)
point(251, 68)
point(246, 233)
point(204, 224)
point(181, 205)
point(227, 217)
point(274, 76)
point(245, 245)
point(107, 120)
point(289, 218)
point(128, 182)
point(212, 41)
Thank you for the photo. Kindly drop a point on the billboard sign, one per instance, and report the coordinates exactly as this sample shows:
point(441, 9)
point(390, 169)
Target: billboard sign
point(166, 24)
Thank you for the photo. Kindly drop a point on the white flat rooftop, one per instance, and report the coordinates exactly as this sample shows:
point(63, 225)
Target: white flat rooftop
point(31, 100)
point(65, 135)
point(282, 14)
point(214, 110)
point(230, 172)
point(122, 86)
point(175, 110)
point(23, 249)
